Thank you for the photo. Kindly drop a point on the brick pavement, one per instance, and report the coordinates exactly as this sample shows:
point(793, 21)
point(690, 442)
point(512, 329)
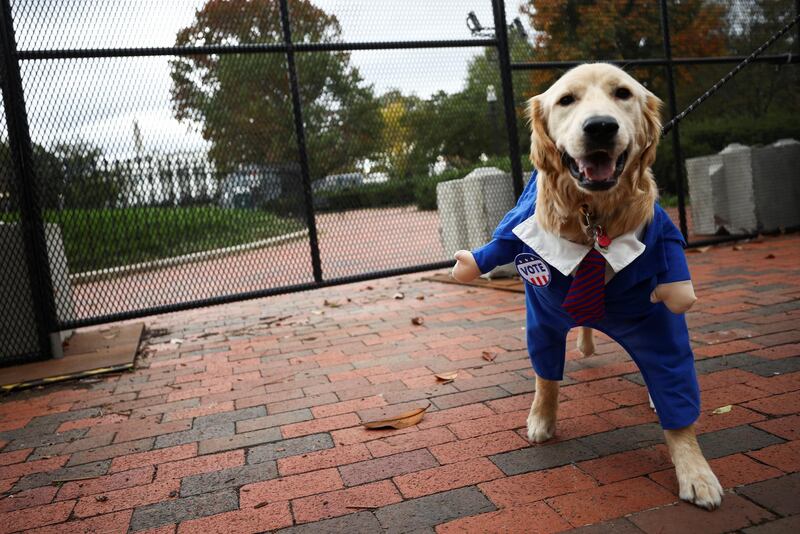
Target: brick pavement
point(251, 422)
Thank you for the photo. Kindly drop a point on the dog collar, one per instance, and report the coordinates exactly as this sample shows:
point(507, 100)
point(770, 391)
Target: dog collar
point(565, 255)
point(593, 229)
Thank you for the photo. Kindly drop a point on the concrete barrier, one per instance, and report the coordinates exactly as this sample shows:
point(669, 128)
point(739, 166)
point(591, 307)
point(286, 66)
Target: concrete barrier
point(471, 208)
point(18, 322)
point(745, 189)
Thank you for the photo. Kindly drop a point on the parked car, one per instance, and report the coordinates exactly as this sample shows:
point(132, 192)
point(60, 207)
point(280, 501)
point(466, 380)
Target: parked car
point(337, 182)
point(376, 178)
point(334, 183)
point(254, 186)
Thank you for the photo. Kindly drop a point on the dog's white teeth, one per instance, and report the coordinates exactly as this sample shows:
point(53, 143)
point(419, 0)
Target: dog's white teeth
point(596, 169)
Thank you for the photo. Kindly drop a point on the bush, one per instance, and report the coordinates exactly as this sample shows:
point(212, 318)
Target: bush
point(711, 136)
point(417, 190)
point(103, 238)
point(392, 193)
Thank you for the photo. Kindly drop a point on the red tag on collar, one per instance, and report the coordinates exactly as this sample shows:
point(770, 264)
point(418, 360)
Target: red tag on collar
point(602, 239)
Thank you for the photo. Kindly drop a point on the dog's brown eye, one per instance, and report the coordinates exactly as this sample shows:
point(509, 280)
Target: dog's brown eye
point(566, 100)
point(623, 93)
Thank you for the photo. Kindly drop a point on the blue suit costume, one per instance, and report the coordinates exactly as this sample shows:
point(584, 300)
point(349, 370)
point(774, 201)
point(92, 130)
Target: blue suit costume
point(656, 339)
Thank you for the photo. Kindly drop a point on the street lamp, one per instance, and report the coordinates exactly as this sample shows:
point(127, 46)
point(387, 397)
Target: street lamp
point(491, 99)
point(479, 30)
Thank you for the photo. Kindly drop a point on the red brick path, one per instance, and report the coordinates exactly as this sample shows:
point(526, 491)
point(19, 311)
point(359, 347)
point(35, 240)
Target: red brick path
point(251, 423)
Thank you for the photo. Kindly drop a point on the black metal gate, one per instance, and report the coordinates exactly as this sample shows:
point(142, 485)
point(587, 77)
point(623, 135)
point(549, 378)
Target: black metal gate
point(160, 157)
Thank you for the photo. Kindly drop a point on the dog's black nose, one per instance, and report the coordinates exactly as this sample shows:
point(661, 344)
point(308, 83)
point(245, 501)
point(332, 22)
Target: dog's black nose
point(600, 127)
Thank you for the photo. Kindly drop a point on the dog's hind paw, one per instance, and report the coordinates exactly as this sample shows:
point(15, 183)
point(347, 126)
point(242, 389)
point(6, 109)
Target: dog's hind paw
point(700, 487)
point(585, 342)
point(540, 429)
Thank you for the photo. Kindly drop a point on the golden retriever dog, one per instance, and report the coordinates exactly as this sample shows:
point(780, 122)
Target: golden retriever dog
point(594, 138)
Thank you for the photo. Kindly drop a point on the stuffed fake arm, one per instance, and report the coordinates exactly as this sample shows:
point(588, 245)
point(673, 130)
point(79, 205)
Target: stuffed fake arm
point(470, 265)
point(675, 287)
point(678, 297)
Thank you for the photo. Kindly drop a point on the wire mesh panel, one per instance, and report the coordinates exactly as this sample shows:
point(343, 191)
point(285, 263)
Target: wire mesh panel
point(706, 40)
point(208, 150)
point(169, 167)
point(376, 159)
point(742, 151)
point(19, 340)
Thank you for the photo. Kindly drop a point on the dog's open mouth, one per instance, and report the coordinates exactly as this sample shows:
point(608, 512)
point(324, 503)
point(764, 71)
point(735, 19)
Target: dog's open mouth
point(596, 171)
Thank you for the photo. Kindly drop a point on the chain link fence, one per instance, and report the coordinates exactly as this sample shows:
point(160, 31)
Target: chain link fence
point(158, 157)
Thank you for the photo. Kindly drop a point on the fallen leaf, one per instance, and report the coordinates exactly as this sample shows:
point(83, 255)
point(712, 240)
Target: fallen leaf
point(699, 250)
point(447, 375)
point(332, 303)
point(176, 341)
point(110, 336)
point(489, 356)
point(101, 498)
point(737, 247)
point(398, 296)
point(417, 321)
point(722, 409)
point(261, 504)
point(769, 257)
point(420, 297)
point(402, 420)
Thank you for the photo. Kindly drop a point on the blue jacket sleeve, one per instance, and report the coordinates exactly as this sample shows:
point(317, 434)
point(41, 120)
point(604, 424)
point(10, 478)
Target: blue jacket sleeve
point(678, 270)
point(496, 252)
point(677, 267)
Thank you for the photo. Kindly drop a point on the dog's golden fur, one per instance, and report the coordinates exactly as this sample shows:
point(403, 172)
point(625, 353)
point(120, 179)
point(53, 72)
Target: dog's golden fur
point(623, 208)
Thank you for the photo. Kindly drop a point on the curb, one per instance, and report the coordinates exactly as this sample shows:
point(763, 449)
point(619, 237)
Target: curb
point(113, 272)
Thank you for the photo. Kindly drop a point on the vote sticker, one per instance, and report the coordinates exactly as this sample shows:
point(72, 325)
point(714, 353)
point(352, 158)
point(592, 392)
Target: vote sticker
point(532, 269)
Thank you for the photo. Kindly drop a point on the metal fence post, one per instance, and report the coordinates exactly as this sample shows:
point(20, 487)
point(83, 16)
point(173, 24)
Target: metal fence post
point(297, 107)
point(32, 224)
point(677, 153)
point(501, 31)
point(797, 12)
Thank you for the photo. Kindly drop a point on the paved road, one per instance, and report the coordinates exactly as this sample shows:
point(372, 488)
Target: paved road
point(351, 243)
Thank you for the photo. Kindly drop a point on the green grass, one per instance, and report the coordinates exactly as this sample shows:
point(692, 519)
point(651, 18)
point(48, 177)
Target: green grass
point(98, 239)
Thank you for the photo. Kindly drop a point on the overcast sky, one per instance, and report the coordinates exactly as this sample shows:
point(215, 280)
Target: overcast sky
point(97, 100)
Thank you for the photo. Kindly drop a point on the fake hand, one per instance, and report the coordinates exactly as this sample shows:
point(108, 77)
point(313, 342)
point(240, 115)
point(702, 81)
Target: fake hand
point(678, 297)
point(466, 269)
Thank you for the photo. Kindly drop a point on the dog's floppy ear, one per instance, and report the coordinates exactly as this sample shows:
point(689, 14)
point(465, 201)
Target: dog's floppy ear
point(544, 154)
point(652, 129)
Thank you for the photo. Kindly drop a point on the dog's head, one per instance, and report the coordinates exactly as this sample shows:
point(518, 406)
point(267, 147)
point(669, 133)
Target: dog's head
point(596, 124)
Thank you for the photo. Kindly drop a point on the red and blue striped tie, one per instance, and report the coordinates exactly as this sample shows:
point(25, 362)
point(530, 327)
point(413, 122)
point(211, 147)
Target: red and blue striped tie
point(584, 300)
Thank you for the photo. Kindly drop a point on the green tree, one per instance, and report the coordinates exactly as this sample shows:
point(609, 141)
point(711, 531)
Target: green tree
point(760, 88)
point(243, 102)
point(88, 180)
point(622, 29)
point(464, 125)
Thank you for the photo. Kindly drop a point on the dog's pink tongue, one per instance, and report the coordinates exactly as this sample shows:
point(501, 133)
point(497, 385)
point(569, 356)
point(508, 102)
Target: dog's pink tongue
point(597, 168)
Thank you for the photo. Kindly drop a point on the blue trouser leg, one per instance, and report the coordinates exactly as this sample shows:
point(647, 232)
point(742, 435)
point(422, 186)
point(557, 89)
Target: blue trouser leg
point(659, 344)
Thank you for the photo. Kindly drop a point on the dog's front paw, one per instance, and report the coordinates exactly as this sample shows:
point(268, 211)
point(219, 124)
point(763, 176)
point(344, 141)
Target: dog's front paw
point(540, 428)
point(699, 486)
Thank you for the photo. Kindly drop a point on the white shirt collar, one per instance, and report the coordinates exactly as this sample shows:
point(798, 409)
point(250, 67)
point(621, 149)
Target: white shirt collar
point(565, 255)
